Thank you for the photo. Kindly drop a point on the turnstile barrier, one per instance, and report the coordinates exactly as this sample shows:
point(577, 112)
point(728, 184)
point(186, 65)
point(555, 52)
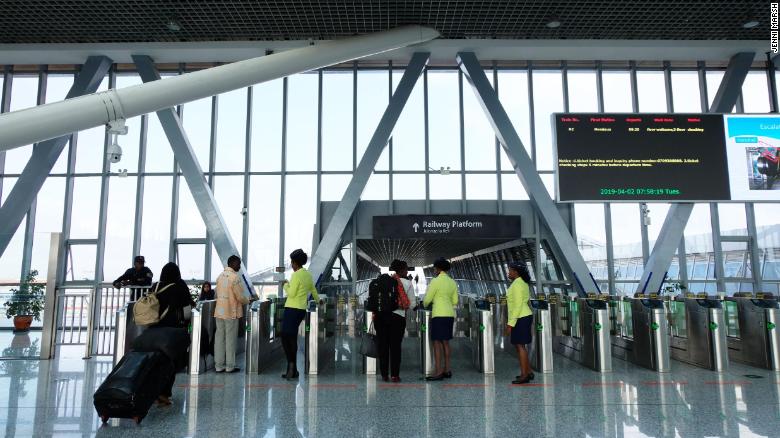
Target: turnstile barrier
point(481, 336)
point(698, 332)
point(320, 335)
point(263, 343)
point(541, 350)
point(369, 363)
point(594, 328)
point(427, 366)
point(650, 334)
point(126, 331)
point(203, 328)
point(752, 334)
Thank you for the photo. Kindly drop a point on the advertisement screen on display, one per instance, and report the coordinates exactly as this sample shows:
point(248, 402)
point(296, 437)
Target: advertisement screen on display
point(752, 145)
point(640, 157)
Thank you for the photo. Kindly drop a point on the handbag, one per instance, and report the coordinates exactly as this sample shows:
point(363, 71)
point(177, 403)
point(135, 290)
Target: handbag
point(146, 311)
point(368, 344)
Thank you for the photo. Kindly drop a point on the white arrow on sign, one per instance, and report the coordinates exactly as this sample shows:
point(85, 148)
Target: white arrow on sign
point(416, 226)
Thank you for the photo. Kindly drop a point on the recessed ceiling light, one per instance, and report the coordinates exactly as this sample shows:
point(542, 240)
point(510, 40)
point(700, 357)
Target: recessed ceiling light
point(552, 24)
point(173, 26)
point(750, 24)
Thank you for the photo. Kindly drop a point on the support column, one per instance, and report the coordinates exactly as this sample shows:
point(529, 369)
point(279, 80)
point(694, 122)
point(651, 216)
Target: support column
point(331, 240)
point(562, 242)
point(193, 174)
point(677, 217)
point(45, 155)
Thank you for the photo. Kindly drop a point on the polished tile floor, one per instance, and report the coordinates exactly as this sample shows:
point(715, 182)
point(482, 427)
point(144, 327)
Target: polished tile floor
point(54, 398)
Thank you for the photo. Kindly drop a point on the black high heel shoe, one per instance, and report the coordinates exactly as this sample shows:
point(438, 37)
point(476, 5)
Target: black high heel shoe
point(530, 377)
point(435, 378)
point(447, 375)
point(292, 371)
point(522, 381)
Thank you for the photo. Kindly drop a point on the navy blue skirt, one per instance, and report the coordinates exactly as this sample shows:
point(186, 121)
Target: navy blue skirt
point(521, 332)
point(441, 328)
point(291, 320)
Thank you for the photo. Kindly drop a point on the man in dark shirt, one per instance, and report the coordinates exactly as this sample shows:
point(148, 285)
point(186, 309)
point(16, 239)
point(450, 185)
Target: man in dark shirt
point(138, 275)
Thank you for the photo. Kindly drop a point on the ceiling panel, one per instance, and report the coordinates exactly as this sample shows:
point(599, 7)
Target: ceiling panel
point(108, 21)
point(422, 252)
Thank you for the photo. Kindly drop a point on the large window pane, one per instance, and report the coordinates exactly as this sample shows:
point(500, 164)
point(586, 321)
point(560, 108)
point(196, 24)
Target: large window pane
point(91, 146)
point(337, 90)
point(373, 95)
point(479, 137)
point(481, 187)
point(767, 219)
point(698, 244)
point(443, 120)
point(231, 131)
point(651, 91)
point(548, 99)
point(86, 208)
point(513, 93)
point(617, 91)
point(512, 188)
point(657, 214)
point(267, 101)
point(583, 96)
point(229, 193)
point(409, 132)
point(377, 189)
point(24, 94)
point(445, 186)
point(755, 93)
point(155, 229)
point(334, 186)
point(196, 118)
point(300, 212)
point(120, 221)
point(130, 142)
point(11, 258)
point(48, 219)
point(190, 223)
point(302, 122)
point(264, 223)
point(592, 237)
point(159, 156)
point(732, 219)
point(685, 92)
point(408, 186)
point(57, 87)
point(626, 241)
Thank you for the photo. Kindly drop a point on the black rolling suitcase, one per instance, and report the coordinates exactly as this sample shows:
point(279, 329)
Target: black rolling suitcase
point(133, 385)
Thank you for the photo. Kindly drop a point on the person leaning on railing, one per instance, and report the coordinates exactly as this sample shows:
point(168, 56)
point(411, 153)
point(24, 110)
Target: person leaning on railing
point(138, 275)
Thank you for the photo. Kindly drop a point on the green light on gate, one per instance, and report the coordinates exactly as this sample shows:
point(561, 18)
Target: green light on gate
point(713, 325)
point(539, 327)
point(597, 326)
point(654, 326)
point(308, 328)
point(770, 326)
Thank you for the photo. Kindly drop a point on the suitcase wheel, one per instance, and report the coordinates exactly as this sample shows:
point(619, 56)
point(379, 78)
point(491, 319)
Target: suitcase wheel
point(104, 418)
point(137, 419)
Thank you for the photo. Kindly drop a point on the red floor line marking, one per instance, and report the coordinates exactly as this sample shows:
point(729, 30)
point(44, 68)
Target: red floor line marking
point(731, 382)
point(201, 385)
point(400, 385)
point(464, 385)
point(334, 385)
point(535, 385)
point(603, 384)
point(269, 385)
point(664, 383)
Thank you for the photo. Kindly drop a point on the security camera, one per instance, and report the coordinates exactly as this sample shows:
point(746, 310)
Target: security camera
point(114, 153)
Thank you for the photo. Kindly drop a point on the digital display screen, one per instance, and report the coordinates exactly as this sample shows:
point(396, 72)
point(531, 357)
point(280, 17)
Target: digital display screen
point(752, 144)
point(641, 157)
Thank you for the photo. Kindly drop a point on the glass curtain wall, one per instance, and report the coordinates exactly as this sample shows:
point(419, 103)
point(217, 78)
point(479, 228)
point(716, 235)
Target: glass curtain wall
point(303, 136)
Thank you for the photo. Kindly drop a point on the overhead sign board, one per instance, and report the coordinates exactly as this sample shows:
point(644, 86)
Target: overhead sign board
point(446, 227)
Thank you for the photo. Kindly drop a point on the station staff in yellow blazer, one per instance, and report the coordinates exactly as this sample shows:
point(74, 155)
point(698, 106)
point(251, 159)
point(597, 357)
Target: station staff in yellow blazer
point(520, 318)
point(443, 293)
point(297, 291)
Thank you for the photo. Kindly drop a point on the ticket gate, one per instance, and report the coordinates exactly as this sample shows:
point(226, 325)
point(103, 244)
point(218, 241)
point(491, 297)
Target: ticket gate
point(585, 332)
point(481, 336)
point(640, 332)
point(264, 343)
point(751, 328)
point(203, 327)
point(370, 364)
point(698, 332)
point(427, 366)
point(320, 335)
point(126, 331)
point(541, 350)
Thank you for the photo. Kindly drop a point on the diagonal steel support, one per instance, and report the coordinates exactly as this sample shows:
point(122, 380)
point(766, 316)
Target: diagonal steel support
point(193, 174)
point(673, 228)
point(562, 242)
point(45, 155)
point(331, 240)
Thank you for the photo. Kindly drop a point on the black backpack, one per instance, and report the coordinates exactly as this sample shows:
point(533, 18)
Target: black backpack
point(382, 294)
